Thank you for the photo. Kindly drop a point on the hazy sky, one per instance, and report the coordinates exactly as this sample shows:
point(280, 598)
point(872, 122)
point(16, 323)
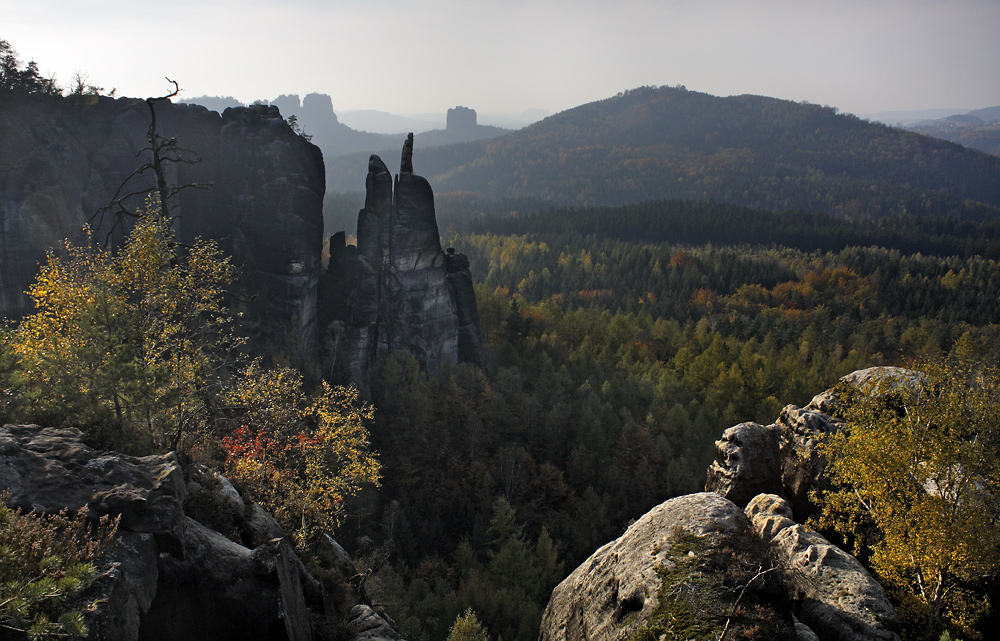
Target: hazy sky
point(405, 56)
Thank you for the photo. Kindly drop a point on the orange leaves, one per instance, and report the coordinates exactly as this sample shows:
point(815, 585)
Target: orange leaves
point(300, 457)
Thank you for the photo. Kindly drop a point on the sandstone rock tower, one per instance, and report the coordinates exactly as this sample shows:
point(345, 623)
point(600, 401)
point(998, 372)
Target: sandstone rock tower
point(461, 118)
point(403, 292)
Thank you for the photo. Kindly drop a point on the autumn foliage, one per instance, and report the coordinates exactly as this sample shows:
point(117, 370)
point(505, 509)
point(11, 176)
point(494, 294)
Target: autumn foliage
point(918, 475)
point(300, 457)
point(138, 349)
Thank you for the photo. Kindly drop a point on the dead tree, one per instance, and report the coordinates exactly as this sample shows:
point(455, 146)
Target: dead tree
point(163, 153)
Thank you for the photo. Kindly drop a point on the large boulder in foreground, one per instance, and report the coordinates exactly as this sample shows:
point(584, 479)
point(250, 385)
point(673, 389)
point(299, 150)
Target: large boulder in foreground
point(689, 542)
point(697, 565)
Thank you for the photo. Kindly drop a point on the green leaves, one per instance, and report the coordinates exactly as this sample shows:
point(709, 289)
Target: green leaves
point(130, 345)
point(45, 565)
point(918, 477)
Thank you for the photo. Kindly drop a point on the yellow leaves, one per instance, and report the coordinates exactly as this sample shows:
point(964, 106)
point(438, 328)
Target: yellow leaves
point(126, 340)
point(301, 458)
point(918, 477)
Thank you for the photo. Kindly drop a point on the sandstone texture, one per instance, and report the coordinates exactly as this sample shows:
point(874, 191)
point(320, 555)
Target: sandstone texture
point(757, 495)
point(615, 590)
point(782, 458)
point(817, 591)
point(832, 593)
point(402, 291)
point(62, 160)
point(192, 559)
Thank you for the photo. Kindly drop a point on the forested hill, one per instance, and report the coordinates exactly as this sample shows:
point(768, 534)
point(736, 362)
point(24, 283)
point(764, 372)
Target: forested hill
point(656, 143)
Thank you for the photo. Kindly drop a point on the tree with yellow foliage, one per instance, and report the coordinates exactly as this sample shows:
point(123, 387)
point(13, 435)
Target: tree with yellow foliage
point(137, 348)
point(300, 457)
point(132, 341)
point(918, 478)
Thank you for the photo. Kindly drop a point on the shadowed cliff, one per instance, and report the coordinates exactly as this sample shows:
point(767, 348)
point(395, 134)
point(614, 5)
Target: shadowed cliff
point(61, 160)
point(397, 290)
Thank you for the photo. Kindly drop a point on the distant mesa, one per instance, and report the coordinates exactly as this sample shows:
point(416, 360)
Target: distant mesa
point(315, 107)
point(461, 118)
point(318, 105)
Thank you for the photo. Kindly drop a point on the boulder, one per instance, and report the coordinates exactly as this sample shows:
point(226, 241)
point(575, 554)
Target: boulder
point(168, 576)
point(832, 593)
point(782, 458)
point(747, 463)
point(769, 514)
point(617, 589)
point(46, 470)
point(793, 583)
point(365, 624)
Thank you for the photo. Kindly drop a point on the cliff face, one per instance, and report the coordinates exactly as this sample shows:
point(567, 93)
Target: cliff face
point(399, 290)
point(60, 161)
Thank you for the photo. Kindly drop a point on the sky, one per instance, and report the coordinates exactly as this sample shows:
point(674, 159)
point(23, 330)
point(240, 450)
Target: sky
point(507, 56)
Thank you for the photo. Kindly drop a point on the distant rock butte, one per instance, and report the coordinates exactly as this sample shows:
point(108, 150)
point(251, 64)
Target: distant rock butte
point(461, 118)
point(402, 291)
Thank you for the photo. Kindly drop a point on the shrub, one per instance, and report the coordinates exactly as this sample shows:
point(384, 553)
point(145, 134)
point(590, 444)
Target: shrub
point(45, 564)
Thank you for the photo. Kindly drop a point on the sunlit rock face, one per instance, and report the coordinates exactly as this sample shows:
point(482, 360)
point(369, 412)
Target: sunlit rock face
point(401, 291)
point(783, 458)
point(62, 160)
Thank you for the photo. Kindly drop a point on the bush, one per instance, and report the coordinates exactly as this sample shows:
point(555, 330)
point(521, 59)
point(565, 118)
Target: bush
point(45, 564)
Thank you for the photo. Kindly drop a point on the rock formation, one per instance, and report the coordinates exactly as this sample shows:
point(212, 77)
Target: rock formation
point(61, 160)
point(461, 118)
point(758, 488)
point(808, 587)
point(781, 458)
point(171, 574)
point(402, 291)
point(832, 593)
point(611, 594)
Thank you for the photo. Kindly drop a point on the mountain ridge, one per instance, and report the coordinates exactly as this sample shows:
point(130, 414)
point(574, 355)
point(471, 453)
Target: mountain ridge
point(663, 142)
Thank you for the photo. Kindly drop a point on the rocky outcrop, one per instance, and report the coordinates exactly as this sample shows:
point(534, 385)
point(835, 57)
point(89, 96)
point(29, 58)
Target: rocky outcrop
point(663, 571)
point(461, 118)
point(748, 462)
point(192, 559)
point(61, 160)
point(402, 291)
point(782, 458)
point(832, 593)
point(806, 588)
point(618, 589)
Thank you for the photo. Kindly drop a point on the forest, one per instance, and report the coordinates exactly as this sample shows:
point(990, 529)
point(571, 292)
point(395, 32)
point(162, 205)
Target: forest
point(623, 342)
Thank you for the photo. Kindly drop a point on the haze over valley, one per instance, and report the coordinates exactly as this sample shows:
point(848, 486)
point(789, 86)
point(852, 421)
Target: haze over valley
point(466, 321)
